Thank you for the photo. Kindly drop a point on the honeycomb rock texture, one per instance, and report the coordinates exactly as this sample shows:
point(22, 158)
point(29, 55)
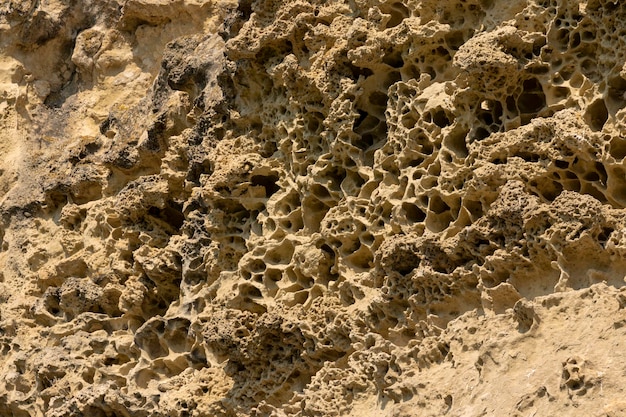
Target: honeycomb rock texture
point(221, 208)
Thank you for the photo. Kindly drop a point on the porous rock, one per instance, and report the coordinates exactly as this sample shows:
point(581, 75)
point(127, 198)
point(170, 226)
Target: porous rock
point(320, 208)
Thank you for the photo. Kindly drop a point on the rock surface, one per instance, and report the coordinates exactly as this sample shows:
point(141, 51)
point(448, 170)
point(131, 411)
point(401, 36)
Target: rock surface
point(312, 208)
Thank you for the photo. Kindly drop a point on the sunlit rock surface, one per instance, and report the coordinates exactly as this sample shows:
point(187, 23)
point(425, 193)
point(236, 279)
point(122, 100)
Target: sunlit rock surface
point(312, 208)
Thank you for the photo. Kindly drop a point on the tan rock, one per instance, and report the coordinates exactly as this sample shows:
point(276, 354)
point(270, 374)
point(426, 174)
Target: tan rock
point(307, 208)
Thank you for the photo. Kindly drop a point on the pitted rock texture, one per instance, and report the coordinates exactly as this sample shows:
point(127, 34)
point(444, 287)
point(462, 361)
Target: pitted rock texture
point(312, 208)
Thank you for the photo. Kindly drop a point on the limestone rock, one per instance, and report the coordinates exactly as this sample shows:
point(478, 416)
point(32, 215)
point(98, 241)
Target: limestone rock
point(312, 208)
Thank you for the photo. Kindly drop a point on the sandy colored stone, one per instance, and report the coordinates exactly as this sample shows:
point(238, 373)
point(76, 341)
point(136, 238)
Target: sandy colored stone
point(312, 208)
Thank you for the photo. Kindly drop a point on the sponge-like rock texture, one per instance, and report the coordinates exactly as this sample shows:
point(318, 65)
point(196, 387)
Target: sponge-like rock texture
point(312, 208)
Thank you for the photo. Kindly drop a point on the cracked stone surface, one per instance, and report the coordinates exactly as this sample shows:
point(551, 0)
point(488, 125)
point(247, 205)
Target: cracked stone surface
point(312, 208)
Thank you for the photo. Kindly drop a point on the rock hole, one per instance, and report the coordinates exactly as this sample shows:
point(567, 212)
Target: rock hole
point(437, 205)
point(367, 140)
point(250, 291)
point(532, 99)
point(257, 266)
point(171, 214)
point(273, 275)
point(589, 188)
point(571, 175)
point(409, 121)
point(314, 211)
point(365, 123)
point(475, 208)
point(281, 254)
point(440, 118)
point(572, 185)
point(244, 9)
point(358, 72)
point(481, 133)
point(398, 12)
point(405, 261)
point(497, 111)
point(392, 78)
point(442, 52)
point(560, 93)
point(589, 69)
point(575, 41)
point(537, 45)
point(320, 192)
point(149, 341)
point(604, 235)
point(601, 171)
point(346, 297)
point(529, 156)
point(413, 213)
point(367, 238)
point(617, 148)
point(562, 37)
point(617, 91)
point(531, 103)
point(561, 164)
point(550, 190)
point(314, 121)
point(301, 296)
point(107, 127)
point(394, 59)
point(378, 99)
point(596, 115)
point(430, 71)
point(588, 36)
point(574, 385)
point(454, 39)
point(576, 80)
point(485, 117)
point(361, 258)
point(266, 181)
point(511, 105)
point(412, 72)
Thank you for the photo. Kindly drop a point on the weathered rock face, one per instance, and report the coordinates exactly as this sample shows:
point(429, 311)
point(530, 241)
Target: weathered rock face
point(320, 208)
